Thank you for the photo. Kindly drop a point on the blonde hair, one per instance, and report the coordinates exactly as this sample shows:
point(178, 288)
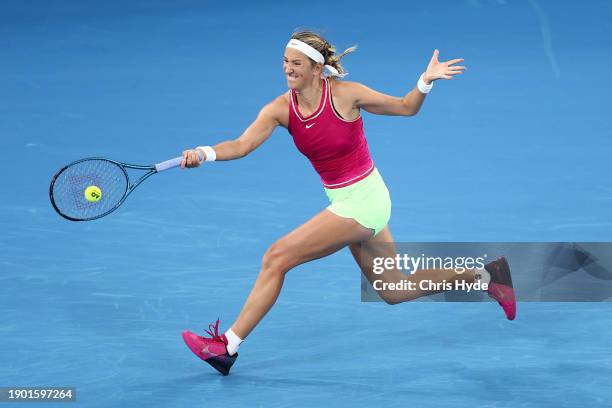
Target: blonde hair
point(320, 44)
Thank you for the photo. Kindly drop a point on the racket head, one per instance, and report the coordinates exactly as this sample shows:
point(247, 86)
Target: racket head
point(67, 189)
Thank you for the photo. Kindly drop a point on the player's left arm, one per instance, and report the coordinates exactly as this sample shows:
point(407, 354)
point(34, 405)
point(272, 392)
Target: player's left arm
point(381, 104)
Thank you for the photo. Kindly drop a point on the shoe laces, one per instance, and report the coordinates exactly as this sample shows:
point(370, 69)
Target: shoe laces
point(213, 332)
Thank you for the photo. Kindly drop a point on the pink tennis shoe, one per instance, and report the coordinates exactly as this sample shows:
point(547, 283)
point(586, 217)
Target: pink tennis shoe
point(211, 349)
point(500, 288)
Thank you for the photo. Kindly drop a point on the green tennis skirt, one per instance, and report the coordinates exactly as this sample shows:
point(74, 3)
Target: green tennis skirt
point(367, 202)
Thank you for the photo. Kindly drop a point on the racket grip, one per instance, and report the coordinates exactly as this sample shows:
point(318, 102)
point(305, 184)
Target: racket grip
point(169, 164)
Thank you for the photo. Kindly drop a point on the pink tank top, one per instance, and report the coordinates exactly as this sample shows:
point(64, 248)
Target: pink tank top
point(337, 148)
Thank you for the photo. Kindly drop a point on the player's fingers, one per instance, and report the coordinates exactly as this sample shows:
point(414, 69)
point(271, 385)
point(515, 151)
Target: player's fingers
point(454, 61)
point(194, 158)
point(189, 159)
point(184, 161)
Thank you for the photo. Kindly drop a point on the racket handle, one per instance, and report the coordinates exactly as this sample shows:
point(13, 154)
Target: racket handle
point(172, 163)
point(169, 164)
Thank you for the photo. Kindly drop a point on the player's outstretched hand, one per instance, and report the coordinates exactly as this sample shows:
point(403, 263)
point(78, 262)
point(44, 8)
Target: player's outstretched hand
point(444, 70)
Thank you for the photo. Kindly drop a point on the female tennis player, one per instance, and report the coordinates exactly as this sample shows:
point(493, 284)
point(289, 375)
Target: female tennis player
point(322, 114)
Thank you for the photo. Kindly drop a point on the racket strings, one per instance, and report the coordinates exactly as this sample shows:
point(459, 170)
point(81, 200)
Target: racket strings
point(76, 186)
point(68, 192)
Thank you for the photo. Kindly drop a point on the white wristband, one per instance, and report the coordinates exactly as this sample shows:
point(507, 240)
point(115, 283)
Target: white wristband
point(423, 87)
point(209, 152)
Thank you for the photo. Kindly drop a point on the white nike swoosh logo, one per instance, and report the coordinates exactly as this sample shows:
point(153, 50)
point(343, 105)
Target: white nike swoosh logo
point(311, 125)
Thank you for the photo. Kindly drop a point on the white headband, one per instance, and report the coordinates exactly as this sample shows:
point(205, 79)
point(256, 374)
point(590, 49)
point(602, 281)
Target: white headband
point(316, 56)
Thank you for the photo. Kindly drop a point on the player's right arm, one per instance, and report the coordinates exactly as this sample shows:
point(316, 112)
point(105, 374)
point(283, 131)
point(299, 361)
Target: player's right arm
point(270, 116)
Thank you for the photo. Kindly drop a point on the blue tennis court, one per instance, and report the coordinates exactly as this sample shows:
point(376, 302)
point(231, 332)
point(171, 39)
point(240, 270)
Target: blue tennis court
point(515, 150)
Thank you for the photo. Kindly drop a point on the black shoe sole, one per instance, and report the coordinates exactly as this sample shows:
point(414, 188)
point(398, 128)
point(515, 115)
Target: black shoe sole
point(222, 363)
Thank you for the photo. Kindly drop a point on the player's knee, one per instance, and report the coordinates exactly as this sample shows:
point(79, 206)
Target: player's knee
point(275, 260)
point(388, 298)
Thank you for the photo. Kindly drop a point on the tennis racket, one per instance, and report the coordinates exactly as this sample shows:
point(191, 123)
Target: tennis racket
point(91, 188)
